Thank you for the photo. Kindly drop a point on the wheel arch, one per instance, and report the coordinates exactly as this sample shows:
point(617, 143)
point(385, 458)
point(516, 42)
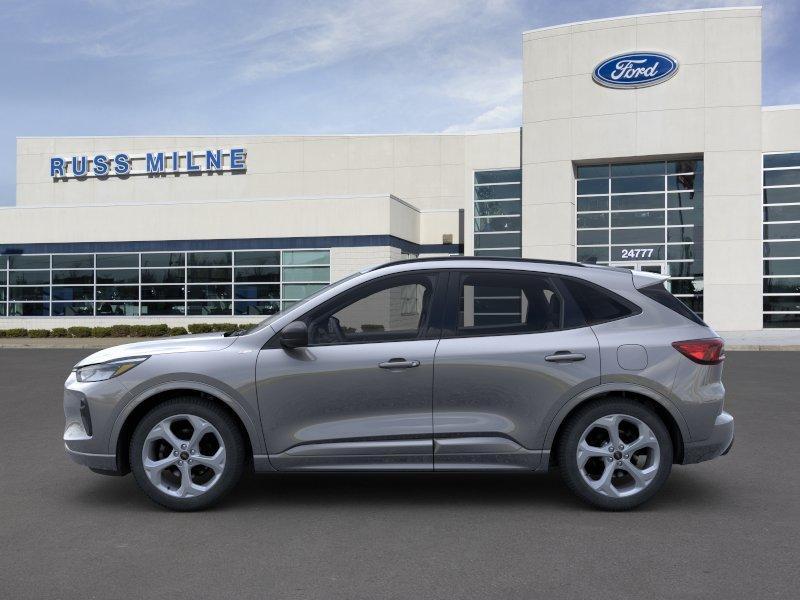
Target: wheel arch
point(665, 410)
point(135, 410)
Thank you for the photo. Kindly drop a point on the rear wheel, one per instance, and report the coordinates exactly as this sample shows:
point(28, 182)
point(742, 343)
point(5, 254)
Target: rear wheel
point(187, 453)
point(615, 453)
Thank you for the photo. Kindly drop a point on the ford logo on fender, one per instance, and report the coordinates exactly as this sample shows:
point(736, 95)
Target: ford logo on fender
point(635, 70)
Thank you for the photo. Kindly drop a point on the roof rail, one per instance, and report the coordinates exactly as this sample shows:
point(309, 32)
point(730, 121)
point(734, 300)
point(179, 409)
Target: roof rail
point(476, 258)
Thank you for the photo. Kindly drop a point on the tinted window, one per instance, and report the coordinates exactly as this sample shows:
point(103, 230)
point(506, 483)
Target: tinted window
point(660, 294)
point(507, 303)
point(396, 309)
point(598, 305)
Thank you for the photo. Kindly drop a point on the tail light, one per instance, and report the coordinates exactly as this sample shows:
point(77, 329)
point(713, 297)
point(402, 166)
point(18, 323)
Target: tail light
point(703, 352)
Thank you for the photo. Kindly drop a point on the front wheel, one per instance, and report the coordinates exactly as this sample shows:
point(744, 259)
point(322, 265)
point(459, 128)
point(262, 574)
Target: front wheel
point(615, 453)
point(187, 453)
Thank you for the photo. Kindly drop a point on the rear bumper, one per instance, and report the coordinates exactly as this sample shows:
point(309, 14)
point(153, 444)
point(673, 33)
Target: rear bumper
point(717, 444)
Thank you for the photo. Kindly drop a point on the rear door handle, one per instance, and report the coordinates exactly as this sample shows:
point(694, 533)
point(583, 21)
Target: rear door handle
point(565, 356)
point(399, 363)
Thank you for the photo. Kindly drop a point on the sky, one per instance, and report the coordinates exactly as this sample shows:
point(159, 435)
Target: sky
point(155, 67)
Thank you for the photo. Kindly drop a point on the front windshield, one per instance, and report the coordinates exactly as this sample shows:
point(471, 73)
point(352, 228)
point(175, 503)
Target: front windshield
point(271, 318)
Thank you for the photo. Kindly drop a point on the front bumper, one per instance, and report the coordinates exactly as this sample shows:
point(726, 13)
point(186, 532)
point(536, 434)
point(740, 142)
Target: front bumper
point(100, 463)
point(717, 444)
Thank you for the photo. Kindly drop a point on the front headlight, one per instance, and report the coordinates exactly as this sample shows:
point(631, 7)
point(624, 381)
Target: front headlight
point(107, 370)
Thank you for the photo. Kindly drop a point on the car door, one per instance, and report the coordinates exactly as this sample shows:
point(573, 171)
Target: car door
point(359, 396)
point(514, 349)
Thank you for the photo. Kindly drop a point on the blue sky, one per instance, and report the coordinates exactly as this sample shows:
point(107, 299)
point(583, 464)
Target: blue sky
point(109, 67)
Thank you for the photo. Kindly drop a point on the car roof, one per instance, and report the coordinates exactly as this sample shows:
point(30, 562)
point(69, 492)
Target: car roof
point(489, 262)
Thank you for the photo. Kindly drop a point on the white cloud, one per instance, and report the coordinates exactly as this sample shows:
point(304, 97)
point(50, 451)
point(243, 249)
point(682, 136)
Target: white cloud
point(497, 117)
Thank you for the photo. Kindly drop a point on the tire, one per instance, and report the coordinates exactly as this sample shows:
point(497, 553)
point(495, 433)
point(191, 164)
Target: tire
point(615, 480)
point(183, 436)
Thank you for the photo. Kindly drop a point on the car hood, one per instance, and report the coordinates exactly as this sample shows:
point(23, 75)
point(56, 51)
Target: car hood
point(205, 342)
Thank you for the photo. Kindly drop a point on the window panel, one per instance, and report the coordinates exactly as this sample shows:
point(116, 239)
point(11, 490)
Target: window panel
point(494, 192)
point(787, 177)
point(73, 261)
point(25, 261)
point(117, 309)
point(2, 277)
point(258, 258)
point(117, 292)
point(782, 285)
point(163, 259)
point(117, 276)
point(306, 273)
point(680, 234)
point(685, 200)
point(256, 308)
point(163, 276)
point(506, 207)
point(782, 303)
point(782, 213)
point(684, 217)
point(162, 292)
point(73, 277)
point(84, 292)
point(257, 274)
point(306, 257)
point(29, 277)
point(498, 240)
point(684, 182)
point(789, 159)
point(592, 220)
point(638, 252)
point(782, 267)
point(782, 195)
point(593, 237)
point(648, 168)
point(28, 309)
point(637, 202)
point(162, 309)
point(593, 255)
point(29, 293)
point(299, 291)
point(685, 286)
point(637, 236)
point(220, 307)
point(592, 186)
point(637, 219)
point(507, 253)
point(72, 309)
point(788, 320)
point(208, 259)
point(680, 252)
point(637, 184)
point(209, 275)
point(498, 176)
point(209, 292)
point(781, 249)
point(592, 203)
point(782, 231)
point(684, 166)
point(115, 261)
point(254, 292)
point(498, 224)
point(586, 171)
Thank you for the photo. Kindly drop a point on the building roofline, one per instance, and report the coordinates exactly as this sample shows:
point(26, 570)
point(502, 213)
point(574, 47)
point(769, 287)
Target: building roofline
point(782, 107)
point(652, 14)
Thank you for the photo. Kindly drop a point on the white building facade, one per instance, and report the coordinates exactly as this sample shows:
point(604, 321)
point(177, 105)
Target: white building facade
point(678, 170)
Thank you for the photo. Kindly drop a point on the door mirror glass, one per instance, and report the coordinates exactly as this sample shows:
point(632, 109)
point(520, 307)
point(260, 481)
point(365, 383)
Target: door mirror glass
point(294, 335)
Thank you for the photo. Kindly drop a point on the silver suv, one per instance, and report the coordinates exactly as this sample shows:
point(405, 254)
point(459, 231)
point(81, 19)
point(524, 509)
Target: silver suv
point(425, 365)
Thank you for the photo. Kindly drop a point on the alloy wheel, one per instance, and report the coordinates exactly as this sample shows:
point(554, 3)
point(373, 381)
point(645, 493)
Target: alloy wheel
point(183, 456)
point(618, 455)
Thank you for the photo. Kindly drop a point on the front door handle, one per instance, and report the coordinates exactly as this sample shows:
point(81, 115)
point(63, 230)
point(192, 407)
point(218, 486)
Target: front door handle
point(565, 356)
point(399, 363)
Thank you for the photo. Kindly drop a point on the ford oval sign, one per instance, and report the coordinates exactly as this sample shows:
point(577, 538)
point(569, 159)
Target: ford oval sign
point(635, 70)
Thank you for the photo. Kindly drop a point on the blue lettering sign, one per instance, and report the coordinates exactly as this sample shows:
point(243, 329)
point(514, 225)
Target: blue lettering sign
point(100, 165)
point(190, 166)
point(121, 164)
point(154, 162)
point(237, 159)
point(79, 166)
point(213, 160)
point(176, 161)
point(635, 70)
point(56, 167)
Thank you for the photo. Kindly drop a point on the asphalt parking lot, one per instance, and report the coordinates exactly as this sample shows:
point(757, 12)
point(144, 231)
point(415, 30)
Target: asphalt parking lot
point(728, 529)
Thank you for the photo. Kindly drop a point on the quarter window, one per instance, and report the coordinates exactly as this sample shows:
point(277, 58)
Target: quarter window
point(596, 304)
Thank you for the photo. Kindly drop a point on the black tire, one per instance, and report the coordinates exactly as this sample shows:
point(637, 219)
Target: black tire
point(235, 452)
point(568, 446)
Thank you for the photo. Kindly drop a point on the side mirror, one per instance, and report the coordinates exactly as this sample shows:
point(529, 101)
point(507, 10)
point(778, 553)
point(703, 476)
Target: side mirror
point(294, 335)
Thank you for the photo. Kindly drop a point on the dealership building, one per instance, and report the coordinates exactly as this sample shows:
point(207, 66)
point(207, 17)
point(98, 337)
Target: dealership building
point(644, 144)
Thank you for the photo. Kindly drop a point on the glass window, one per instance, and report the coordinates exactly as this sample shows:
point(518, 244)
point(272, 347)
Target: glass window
point(592, 203)
point(310, 274)
point(72, 309)
point(219, 307)
point(2, 277)
point(163, 259)
point(26, 261)
point(587, 171)
point(117, 276)
point(494, 192)
point(592, 220)
point(73, 261)
point(209, 275)
point(258, 258)
point(306, 257)
point(257, 274)
point(256, 308)
point(650, 168)
point(685, 200)
point(29, 277)
point(593, 237)
point(789, 159)
point(254, 292)
point(637, 201)
point(637, 236)
point(785, 177)
point(782, 249)
point(782, 231)
point(498, 224)
point(392, 310)
point(637, 219)
point(28, 309)
point(782, 195)
point(114, 261)
point(506, 253)
point(592, 186)
point(209, 292)
point(676, 235)
point(500, 207)
point(117, 292)
point(163, 276)
point(684, 182)
point(498, 176)
point(589, 254)
point(162, 292)
point(498, 240)
point(508, 303)
point(785, 320)
point(782, 285)
point(782, 303)
point(208, 259)
point(636, 184)
point(596, 304)
point(29, 293)
point(782, 213)
point(163, 308)
point(117, 309)
point(73, 277)
point(782, 267)
point(684, 166)
point(297, 291)
point(685, 217)
point(72, 292)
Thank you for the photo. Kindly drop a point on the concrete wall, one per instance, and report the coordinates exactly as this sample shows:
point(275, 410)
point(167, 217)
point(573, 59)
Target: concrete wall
point(712, 107)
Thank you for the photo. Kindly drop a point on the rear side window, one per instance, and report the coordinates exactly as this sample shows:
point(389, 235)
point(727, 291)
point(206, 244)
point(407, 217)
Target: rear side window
point(660, 294)
point(599, 305)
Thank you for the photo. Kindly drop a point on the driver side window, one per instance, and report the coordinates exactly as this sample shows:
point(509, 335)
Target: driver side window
point(392, 310)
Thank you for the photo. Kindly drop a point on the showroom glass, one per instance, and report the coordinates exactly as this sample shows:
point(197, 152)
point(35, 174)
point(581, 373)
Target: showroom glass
point(497, 224)
point(645, 214)
point(392, 312)
point(120, 284)
point(507, 303)
point(781, 288)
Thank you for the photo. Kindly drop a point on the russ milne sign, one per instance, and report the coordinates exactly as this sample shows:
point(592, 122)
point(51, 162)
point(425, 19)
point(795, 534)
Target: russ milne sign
point(635, 70)
point(122, 164)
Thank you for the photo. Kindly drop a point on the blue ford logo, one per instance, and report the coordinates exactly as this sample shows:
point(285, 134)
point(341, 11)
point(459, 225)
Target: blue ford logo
point(635, 70)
